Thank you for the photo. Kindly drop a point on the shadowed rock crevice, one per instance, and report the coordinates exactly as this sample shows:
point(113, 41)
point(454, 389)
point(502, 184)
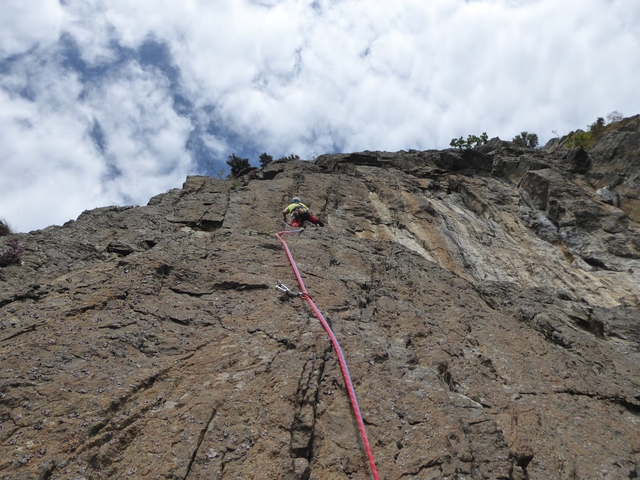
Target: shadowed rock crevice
point(22, 331)
point(285, 342)
point(199, 444)
point(305, 417)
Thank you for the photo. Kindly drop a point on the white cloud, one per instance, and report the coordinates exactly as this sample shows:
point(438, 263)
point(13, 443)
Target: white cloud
point(145, 137)
point(52, 169)
point(295, 77)
point(47, 167)
point(24, 24)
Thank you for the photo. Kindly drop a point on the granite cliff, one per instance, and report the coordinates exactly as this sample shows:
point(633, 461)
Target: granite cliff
point(487, 302)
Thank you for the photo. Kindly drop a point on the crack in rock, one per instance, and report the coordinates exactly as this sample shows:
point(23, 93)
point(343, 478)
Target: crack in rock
point(199, 444)
point(303, 428)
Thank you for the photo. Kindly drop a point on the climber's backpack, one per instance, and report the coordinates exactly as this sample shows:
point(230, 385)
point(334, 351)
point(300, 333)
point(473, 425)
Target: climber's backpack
point(300, 211)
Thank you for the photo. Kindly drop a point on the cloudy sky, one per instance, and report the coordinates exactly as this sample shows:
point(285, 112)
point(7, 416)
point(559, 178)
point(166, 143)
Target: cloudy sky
point(109, 102)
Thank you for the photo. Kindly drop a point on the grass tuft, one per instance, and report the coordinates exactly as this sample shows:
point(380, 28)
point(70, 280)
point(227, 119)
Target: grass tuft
point(5, 229)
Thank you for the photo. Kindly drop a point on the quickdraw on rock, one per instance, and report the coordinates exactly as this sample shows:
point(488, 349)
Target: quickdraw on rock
point(281, 287)
point(343, 363)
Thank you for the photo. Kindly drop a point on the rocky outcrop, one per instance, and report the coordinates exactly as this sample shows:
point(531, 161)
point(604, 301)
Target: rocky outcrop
point(611, 164)
point(486, 300)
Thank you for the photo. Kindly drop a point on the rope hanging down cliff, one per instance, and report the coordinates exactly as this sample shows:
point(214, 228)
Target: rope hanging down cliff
point(336, 346)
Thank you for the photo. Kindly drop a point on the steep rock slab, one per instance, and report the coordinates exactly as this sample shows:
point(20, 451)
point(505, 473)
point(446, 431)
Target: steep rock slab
point(149, 341)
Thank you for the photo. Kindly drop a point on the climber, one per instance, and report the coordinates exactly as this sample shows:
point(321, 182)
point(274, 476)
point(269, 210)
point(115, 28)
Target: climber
point(299, 214)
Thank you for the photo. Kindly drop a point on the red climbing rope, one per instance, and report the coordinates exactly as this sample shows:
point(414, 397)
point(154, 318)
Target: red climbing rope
point(336, 346)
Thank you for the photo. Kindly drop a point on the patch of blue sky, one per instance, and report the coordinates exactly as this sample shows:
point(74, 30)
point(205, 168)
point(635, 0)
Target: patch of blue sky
point(97, 136)
point(156, 55)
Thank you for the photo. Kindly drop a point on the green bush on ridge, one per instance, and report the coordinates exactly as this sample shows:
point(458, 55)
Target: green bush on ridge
point(526, 140)
point(265, 159)
point(472, 141)
point(237, 164)
point(586, 140)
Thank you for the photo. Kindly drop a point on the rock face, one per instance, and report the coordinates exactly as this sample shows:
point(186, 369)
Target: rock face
point(487, 302)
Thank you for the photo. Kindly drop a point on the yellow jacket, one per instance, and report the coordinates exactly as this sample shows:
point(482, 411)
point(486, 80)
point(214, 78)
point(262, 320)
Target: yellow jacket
point(293, 206)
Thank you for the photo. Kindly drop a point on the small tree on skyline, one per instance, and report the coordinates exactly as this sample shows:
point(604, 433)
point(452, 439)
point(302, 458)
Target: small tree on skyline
point(290, 158)
point(237, 164)
point(472, 141)
point(597, 126)
point(526, 140)
point(265, 159)
point(614, 116)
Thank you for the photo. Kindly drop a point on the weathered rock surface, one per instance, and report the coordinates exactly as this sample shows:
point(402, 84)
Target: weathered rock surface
point(487, 302)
